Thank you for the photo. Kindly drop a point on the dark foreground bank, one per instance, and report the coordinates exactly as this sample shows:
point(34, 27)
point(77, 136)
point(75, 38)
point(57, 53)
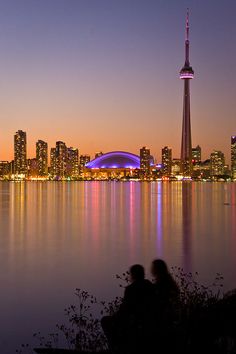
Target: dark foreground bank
point(206, 323)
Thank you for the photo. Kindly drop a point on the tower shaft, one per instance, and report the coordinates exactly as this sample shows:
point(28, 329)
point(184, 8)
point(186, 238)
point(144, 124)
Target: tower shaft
point(186, 143)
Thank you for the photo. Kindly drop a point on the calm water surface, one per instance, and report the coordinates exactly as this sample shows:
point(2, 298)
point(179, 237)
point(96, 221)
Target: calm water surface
point(56, 236)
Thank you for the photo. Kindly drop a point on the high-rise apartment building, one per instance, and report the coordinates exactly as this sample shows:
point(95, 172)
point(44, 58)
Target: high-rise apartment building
point(233, 156)
point(42, 157)
point(53, 162)
point(72, 164)
point(145, 159)
point(166, 156)
point(217, 163)
point(61, 159)
point(20, 156)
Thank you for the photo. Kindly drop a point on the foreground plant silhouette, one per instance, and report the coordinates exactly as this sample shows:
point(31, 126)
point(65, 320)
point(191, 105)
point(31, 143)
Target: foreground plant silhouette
point(83, 331)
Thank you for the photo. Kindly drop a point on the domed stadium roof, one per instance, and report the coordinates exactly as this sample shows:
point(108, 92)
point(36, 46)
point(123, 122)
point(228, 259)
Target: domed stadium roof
point(115, 159)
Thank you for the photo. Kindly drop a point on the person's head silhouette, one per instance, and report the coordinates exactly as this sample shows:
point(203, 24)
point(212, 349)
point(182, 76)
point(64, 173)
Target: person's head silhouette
point(136, 272)
point(159, 269)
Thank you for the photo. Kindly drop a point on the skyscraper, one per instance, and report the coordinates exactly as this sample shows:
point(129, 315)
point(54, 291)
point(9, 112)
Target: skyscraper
point(166, 155)
point(217, 163)
point(53, 162)
point(61, 158)
point(72, 165)
point(186, 74)
point(20, 158)
point(42, 157)
point(233, 156)
point(145, 159)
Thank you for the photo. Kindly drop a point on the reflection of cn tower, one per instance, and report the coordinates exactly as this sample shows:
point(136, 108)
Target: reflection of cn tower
point(186, 74)
point(187, 218)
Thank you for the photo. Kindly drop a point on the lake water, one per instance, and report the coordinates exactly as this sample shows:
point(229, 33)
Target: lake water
point(56, 236)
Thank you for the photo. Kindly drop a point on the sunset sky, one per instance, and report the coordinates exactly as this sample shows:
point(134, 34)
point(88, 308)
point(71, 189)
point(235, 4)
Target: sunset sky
point(103, 74)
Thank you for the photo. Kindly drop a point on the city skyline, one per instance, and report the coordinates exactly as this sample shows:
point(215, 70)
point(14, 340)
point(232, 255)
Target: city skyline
point(64, 162)
point(39, 145)
point(76, 80)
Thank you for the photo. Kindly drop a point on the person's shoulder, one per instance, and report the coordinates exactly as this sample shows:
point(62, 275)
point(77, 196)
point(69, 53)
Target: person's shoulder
point(148, 283)
point(129, 288)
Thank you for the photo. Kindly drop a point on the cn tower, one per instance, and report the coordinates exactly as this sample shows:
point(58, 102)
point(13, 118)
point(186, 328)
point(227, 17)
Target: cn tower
point(186, 74)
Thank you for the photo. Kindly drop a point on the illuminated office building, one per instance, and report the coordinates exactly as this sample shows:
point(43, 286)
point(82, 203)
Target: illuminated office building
point(53, 162)
point(166, 155)
point(145, 161)
point(20, 157)
point(233, 156)
point(72, 163)
point(61, 159)
point(42, 157)
point(176, 167)
point(202, 170)
point(5, 169)
point(217, 163)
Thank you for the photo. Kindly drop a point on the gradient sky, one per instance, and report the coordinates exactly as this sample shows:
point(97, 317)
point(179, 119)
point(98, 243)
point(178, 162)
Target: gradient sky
point(103, 74)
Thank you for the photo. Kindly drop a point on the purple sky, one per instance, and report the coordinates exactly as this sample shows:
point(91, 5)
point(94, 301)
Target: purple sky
point(103, 75)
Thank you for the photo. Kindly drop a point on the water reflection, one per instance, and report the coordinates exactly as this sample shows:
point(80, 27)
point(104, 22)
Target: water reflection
point(187, 216)
point(58, 236)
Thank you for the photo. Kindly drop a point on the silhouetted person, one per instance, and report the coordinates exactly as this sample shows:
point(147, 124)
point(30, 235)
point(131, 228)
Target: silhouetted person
point(138, 294)
point(129, 323)
point(167, 301)
point(166, 289)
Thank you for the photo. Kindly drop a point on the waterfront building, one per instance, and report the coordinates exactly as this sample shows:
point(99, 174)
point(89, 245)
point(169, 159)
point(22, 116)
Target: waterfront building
point(196, 154)
point(5, 169)
point(20, 155)
point(186, 74)
point(227, 171)
point(84, 159)
point(202, 170)
point(61, 159)
point(33, 168)
point(166, 155)
point(176, 167)
point(72, 163)
point(233, 157)
point(42, 157)
point(217, 163)
point(145, 161)
point(52, 169)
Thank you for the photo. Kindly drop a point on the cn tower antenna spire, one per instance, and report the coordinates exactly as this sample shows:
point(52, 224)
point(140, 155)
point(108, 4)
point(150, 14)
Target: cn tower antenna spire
point(187, 39)
point(187, 25)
